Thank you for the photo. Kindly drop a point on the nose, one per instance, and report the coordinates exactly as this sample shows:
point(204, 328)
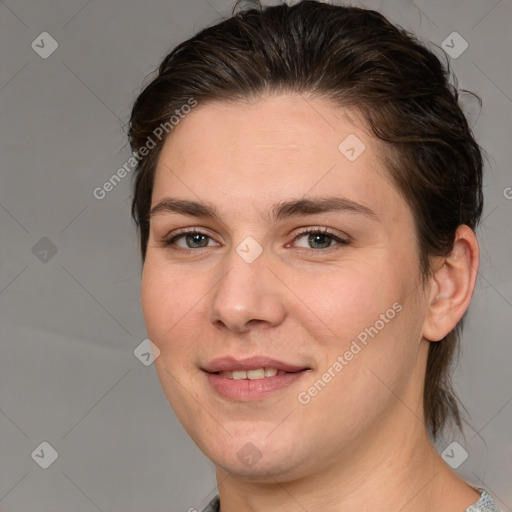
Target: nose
point(248, 296)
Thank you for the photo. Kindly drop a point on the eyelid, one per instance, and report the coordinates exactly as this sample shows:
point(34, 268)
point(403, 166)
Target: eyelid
point(191, 230)
point(340, 239)
point(323, 231)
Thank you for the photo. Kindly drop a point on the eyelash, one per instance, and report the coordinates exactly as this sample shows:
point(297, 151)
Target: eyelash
point(169, 242)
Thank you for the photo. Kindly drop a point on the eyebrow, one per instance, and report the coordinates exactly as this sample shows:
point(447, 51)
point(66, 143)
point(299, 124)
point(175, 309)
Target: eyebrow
point(279, 211)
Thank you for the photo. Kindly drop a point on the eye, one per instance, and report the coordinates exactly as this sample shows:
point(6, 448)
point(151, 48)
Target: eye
point(319, 239)
point(192, 239)
point(312, 239)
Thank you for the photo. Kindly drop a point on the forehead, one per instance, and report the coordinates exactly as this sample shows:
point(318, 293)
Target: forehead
point(292, 124)
point(274, 147)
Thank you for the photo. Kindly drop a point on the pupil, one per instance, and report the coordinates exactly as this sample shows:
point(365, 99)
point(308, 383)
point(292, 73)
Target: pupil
point(318, 238)
point(197, 238)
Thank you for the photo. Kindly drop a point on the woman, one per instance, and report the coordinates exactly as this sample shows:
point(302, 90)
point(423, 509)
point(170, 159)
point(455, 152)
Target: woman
point(307, 193)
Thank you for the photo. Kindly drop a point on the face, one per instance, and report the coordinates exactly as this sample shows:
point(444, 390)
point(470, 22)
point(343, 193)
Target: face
point(276, 246)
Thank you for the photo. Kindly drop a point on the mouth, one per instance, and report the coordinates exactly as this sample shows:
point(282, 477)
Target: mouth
point(254, 378)
point(254, 374)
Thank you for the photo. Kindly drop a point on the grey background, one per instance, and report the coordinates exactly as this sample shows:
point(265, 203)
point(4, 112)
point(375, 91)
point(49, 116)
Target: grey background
point(70, 321)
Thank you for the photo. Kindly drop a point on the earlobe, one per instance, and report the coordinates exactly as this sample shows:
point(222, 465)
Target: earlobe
point(452, 285)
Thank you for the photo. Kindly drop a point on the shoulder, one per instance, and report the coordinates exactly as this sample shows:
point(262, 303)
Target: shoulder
point(214, 505)
point(485, 504)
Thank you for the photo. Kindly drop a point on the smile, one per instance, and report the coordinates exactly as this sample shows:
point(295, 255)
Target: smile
point(256, 374)
point(253, 378)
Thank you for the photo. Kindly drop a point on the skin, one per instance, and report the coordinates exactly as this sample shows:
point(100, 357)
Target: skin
point(360, 443)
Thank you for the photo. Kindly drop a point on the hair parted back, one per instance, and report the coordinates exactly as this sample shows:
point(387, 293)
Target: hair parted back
point(358, 59)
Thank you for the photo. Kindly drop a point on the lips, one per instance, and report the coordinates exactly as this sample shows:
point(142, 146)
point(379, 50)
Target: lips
point(253, 378)
point(231, 364)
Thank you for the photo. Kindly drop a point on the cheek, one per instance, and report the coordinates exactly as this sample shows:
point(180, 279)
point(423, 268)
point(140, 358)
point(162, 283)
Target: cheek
point(171, 304)
point(365, 325)
point(344, 301)
point(169, 300)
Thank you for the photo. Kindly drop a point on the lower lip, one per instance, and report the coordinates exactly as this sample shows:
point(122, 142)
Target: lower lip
point(244, 390)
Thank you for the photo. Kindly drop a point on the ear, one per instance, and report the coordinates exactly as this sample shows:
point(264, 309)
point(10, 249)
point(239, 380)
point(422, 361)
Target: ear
point(452, 285)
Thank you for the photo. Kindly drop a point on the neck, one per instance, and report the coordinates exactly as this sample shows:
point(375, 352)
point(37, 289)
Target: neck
point(384, 471)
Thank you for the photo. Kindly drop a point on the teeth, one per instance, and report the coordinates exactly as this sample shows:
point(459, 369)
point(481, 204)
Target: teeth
point(257, 373)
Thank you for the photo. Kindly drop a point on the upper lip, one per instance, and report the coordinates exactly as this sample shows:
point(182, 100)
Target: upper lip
point(230, 364)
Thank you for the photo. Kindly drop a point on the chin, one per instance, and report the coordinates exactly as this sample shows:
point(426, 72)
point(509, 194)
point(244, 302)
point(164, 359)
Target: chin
point(252, 461)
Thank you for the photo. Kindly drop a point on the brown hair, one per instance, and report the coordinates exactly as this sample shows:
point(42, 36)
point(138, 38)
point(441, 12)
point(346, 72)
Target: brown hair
point(357, 58)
